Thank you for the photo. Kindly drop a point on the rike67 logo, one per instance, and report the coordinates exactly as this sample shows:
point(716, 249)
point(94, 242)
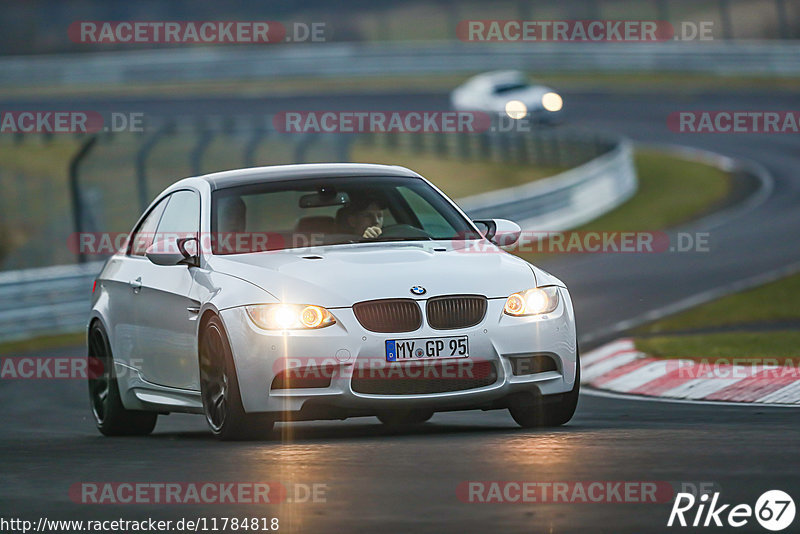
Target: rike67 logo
point(774, 510)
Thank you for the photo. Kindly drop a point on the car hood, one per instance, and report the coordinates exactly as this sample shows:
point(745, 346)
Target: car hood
point(338, 276)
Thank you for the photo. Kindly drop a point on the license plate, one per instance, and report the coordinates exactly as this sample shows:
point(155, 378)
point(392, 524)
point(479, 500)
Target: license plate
point(436, 348)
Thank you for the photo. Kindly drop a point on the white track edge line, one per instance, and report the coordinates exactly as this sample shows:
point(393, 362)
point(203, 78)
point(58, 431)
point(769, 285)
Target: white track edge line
point(592, 392)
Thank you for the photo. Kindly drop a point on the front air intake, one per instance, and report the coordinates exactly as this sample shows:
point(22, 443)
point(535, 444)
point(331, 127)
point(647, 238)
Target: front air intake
point(455, 311)
point(388, 315)
point(424, 378)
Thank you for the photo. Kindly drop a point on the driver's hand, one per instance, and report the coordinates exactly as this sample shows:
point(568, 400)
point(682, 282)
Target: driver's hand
point(372, 232)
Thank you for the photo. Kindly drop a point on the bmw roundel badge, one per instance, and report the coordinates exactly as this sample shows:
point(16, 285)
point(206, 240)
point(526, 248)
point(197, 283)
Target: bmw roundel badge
point(418, 290)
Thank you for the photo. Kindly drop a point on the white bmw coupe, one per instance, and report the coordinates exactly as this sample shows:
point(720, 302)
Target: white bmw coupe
point(508, 92)
point(324, 291)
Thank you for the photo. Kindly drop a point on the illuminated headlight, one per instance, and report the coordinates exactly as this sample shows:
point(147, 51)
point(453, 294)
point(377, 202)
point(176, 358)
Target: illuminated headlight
point(533, 301)
point(552, 102)
point(290, 316)
point(516, 109)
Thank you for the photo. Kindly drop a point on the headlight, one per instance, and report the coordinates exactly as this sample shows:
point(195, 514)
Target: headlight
point(552, 102)
point(533, 301)
point(290, 316)
point(516, 109)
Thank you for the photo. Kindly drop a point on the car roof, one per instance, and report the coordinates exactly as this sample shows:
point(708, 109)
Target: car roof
point(500, 76)
point(233, 178)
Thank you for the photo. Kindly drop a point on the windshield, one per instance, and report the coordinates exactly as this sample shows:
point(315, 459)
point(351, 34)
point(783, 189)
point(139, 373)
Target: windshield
point(330, 211)
point(509, 87)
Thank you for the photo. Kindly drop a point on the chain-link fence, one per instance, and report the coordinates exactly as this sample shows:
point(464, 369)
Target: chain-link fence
point(54, 187)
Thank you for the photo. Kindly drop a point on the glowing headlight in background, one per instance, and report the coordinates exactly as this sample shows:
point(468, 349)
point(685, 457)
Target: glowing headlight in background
point(516, 109)
point(290, 316)
point(533, 301)
point(552, 102)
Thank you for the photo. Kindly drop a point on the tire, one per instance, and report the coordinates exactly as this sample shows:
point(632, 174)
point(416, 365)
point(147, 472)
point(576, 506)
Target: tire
point(405, 417)
point(219, 389)
point(110, 416)
point(548, 411)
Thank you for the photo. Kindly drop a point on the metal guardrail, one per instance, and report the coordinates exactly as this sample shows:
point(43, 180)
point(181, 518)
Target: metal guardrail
point(50, 300)
point(777, 58)
point(54, 300)
point(566, 200)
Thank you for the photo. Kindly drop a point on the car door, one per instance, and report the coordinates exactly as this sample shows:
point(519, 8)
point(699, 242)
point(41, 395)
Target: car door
point(164, 312)
point(121, 280)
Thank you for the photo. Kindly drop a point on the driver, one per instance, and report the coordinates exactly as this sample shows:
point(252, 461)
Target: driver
point(364, 218)
point(232, 215)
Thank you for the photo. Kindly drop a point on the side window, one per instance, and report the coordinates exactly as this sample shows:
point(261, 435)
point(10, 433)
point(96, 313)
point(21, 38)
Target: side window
point(143, 236)
point(181, 217)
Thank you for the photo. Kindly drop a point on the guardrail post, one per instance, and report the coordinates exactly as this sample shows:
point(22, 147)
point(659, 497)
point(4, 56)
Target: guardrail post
point(441, 143)
point(196, 156)
point(452, 13)
point(342, 147)
point(485, 145)
point(418, 142)
point(783, 26)
point(464, 146)
point(522, 149)
point(504, 147)
point(252, 145)
point(725, 17)
point(524, 10)
point(301, 147)
point(141, 164)
point(662, 9)
point(593, 7)
point(391, 139)
point(75, 191)
point(367, 139)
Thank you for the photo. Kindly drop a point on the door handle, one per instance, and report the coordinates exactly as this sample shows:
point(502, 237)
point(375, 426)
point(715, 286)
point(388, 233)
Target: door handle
point(136, 285)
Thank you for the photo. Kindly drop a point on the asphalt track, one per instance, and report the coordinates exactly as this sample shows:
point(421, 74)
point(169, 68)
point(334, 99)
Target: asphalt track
point(406, 481)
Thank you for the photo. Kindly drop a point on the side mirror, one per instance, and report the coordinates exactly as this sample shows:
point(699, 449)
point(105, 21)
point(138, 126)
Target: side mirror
point(169, 252)
point(501, 232)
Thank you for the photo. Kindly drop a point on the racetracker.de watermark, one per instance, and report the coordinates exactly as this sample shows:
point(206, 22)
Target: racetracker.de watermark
point(564, 492)
point(530, 241)
point(51, 368)
point(734, 121)
point(206, 492)
point(69, 122)
point(581, 31)
point(107, 243)
point(382, 122)
point(195, 32)
point(419, 365)
point(597, 242)
point(768, 369)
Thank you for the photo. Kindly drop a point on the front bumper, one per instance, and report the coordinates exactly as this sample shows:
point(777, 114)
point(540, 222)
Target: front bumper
point(346, 347)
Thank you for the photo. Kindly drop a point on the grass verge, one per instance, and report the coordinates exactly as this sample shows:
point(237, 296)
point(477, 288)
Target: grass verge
point(776, 301)
point(42, 343)
point(672, 191)
point(749, 310)
point(780, 347)
point(458, 179)
point(636, 83)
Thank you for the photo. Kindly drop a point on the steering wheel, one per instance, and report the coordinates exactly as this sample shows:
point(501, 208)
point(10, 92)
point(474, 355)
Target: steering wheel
point(404, 230)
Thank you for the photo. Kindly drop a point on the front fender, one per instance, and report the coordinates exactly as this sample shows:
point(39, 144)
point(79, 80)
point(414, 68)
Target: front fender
point(217, 292)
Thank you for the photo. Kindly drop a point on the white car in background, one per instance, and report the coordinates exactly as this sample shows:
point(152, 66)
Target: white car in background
point(253, 296)
point(510, 93)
